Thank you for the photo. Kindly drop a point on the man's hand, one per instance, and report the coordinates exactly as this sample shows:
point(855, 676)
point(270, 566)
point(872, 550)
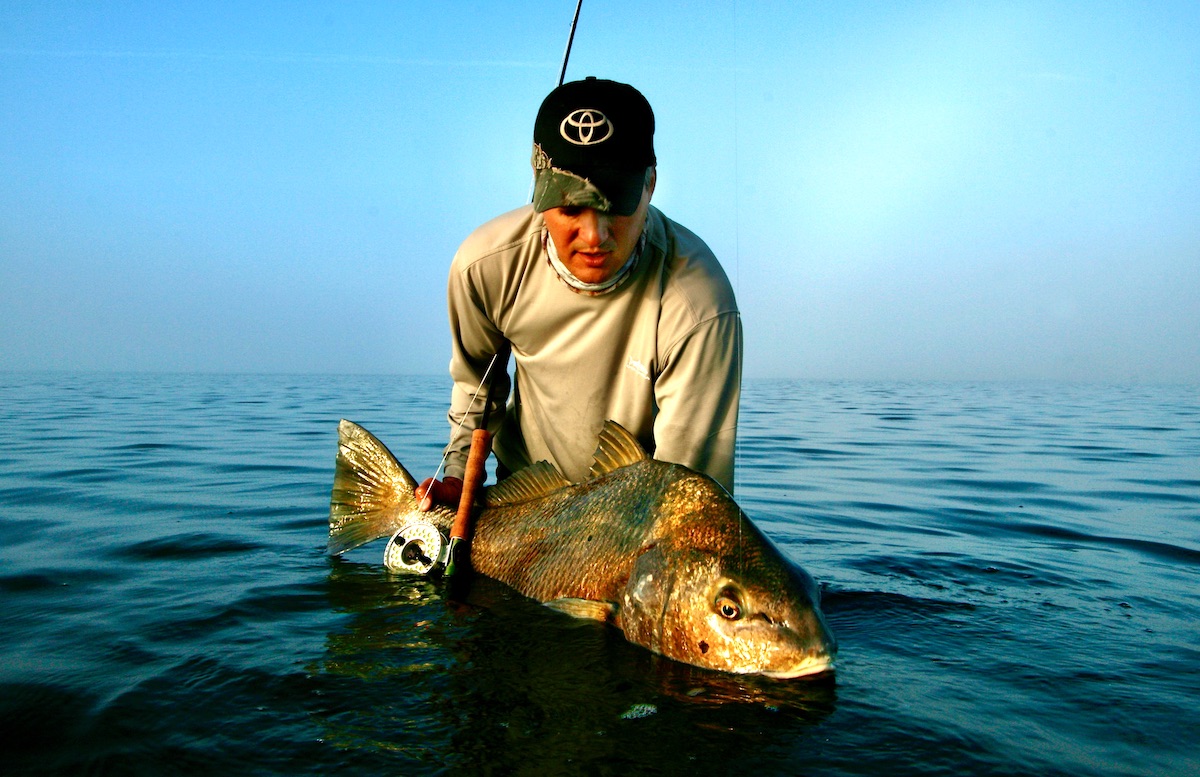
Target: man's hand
point(446, 492)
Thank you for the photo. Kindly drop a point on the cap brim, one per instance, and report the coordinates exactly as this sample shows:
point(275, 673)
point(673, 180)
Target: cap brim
point(623, 188)
point(613, 191)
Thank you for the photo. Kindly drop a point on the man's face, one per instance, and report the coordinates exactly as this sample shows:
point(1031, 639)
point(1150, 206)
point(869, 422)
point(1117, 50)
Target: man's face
point(594, 244)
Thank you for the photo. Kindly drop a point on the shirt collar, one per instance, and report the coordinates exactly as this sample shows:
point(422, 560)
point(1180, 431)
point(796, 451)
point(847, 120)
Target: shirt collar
point(592, 289)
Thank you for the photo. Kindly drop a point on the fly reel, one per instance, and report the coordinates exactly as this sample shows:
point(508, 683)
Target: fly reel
point(416, 550)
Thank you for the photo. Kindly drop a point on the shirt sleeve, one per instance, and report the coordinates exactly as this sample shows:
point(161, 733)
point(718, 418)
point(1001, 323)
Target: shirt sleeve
point(698, 392)
point(474, 339)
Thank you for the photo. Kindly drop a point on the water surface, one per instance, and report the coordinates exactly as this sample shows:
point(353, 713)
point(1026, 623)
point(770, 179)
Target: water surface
point(1012, 571)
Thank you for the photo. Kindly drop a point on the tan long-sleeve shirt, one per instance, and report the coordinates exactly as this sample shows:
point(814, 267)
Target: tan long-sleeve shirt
point(660, 354)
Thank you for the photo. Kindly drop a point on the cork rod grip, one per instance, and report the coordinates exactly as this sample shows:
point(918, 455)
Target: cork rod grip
point(481, 445)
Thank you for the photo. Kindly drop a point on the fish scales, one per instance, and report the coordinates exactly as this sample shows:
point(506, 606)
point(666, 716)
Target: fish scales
point(574, 544)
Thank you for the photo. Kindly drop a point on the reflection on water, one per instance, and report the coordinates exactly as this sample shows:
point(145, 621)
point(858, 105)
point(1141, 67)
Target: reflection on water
point(499, 683)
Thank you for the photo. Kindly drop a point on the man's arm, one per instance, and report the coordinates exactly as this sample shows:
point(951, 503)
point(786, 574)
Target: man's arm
point(475, 339)
point(698, 392)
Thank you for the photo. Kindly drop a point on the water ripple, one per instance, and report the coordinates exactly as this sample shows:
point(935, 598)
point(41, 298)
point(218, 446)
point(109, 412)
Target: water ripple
point(194, 545)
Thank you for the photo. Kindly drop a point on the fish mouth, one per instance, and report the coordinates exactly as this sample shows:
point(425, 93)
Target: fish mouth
point(806, 668)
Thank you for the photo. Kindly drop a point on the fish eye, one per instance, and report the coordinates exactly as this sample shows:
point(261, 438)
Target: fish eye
point(728, 606)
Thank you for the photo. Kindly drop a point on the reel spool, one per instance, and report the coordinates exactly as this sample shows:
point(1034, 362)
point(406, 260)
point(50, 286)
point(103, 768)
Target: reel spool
point(415, 550)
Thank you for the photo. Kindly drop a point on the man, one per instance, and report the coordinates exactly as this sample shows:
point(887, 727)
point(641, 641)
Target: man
point(610, 309)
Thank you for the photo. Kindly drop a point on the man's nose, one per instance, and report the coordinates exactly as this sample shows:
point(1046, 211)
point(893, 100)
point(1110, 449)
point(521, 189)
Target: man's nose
point(594, 227)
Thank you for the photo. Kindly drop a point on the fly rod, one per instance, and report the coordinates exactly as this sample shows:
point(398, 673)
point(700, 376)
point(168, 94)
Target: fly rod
point(419, 548)
point(481, 438)
point(570, 39)
point(473, 477)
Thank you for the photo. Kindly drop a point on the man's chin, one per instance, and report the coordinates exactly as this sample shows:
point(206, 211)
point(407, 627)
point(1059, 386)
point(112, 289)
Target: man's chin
point(589, 270)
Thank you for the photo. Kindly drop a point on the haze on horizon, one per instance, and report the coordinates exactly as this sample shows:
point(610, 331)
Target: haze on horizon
point(930, 190)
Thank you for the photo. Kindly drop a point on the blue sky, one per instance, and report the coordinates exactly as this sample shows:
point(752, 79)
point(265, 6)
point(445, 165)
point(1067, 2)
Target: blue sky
point(925, 190)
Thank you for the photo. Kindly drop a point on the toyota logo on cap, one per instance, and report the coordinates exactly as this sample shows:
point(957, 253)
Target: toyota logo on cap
point(585, 127)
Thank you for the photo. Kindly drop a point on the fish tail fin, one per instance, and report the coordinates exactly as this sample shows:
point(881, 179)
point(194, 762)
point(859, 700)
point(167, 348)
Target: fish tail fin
point(368, 485)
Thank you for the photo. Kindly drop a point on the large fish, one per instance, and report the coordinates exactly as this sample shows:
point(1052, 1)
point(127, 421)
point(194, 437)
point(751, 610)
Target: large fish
point(658, 550)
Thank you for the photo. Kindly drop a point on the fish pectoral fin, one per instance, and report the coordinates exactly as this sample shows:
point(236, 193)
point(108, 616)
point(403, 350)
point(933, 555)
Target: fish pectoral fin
point(585, 608)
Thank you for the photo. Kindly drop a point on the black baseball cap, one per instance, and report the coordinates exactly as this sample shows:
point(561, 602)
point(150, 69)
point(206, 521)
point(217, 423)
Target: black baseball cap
point(593, 142)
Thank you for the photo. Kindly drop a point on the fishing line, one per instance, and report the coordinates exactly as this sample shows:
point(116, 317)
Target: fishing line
point(463, 420)
point(737, 249)
point(463, 519)
point(561, 76)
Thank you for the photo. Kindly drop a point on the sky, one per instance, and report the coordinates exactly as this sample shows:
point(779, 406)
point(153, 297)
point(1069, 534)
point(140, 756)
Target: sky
point(897, 191)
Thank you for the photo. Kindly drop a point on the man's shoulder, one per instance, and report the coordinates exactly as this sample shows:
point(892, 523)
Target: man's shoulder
point(692, 275)
point(507, 233)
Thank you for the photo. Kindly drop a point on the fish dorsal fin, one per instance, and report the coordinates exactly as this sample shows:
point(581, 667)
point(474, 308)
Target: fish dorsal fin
point(616, 448)
point(533, 481)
